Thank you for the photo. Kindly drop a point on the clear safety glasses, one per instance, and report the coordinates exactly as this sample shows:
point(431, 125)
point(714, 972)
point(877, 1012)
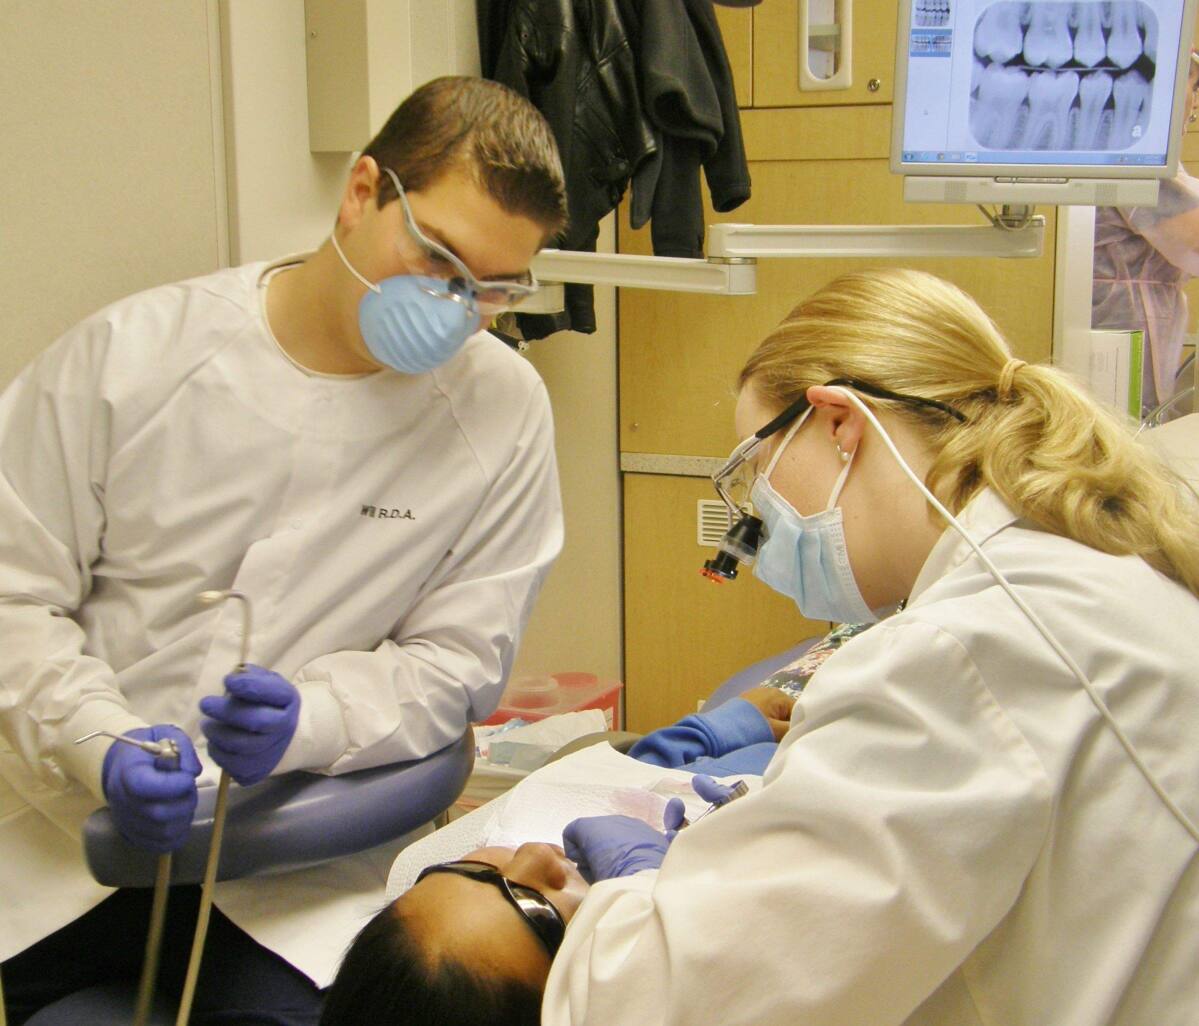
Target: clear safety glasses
point(535, 908)
point(486, 297)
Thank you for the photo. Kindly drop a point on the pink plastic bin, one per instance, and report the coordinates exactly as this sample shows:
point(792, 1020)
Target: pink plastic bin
point(534, 697)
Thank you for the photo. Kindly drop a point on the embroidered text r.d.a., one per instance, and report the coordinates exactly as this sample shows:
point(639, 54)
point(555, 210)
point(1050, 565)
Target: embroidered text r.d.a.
point(387, 513)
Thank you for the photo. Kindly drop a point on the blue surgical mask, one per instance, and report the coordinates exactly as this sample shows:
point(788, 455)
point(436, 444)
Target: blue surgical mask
point(806, 558)
point(407, 321)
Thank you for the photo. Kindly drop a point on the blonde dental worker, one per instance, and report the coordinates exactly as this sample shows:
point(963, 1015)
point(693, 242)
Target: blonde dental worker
point(964, 825)
point(332, 435)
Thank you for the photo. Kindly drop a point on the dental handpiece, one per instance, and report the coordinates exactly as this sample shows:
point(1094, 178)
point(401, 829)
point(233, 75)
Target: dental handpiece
point(165, 748)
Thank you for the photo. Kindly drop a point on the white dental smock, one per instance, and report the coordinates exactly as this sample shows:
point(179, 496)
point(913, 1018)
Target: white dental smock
point(392, 532)
point(949, 835)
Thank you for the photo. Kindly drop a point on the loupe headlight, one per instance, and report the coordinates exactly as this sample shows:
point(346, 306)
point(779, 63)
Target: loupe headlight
point(739, 545)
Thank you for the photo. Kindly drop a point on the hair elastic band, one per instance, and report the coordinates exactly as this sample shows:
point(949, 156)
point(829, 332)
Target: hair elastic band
point(1007, 377)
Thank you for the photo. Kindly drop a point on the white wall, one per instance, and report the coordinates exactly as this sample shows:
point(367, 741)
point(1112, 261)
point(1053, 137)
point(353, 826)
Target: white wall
point(110, 161)
point(127, 129)
point(282, 198)
point(577, 624)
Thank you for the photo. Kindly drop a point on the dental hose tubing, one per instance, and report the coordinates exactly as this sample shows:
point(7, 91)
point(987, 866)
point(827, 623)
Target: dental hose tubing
point(205, 910)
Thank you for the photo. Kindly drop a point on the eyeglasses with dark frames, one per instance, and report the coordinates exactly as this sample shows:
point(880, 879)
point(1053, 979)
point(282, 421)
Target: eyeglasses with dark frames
point(734, 480)
point(535, 908)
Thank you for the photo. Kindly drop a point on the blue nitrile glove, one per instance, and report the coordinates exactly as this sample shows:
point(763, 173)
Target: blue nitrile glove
point(250, 726)
point(152, 799)
point(604, 847)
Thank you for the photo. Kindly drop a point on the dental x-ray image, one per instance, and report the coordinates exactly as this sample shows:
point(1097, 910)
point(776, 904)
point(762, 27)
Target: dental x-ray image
point(1062, 76)
point(934, 13)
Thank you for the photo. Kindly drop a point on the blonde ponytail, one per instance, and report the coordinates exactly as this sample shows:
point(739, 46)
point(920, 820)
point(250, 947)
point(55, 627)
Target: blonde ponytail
point(1053, 455)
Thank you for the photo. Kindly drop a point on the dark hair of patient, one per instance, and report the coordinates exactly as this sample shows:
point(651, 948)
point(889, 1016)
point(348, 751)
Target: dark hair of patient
point(385, 979)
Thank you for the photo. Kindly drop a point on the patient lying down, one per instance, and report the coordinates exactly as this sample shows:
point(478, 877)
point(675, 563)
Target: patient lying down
point(454, 949)
point(481, 905)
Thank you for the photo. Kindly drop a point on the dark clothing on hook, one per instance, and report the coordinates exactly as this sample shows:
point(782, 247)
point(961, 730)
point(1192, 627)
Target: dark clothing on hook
point(636, 92)
point(687, 89)
point(574, 62)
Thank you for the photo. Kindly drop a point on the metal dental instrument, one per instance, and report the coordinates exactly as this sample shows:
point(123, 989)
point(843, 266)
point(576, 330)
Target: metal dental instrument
point(165, 749)
point(739, 789)
point(211, 598)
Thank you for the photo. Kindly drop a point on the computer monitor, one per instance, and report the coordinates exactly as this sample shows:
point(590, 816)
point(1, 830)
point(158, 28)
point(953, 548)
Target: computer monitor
point(1039, 101)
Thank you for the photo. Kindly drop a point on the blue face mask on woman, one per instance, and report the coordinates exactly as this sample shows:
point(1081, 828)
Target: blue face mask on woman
point(806, 558)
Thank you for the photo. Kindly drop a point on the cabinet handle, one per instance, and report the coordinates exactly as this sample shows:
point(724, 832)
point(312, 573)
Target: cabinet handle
point(836, 38)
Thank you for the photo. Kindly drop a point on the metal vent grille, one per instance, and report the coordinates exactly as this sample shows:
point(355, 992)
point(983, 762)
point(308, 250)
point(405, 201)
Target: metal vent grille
point(711, 521)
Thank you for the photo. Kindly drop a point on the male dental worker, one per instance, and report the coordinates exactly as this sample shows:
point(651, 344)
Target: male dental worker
point(337, 437)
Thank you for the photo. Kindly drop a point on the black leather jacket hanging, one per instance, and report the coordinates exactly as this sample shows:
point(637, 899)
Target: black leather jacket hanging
point(636, 91)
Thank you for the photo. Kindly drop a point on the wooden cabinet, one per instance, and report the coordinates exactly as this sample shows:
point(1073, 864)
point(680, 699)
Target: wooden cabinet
point(776, 55)
point(680, 354)
point(684, 635)
point(737, 29)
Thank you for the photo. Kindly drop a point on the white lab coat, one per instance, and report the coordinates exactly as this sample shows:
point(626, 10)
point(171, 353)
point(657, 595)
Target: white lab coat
point(392, 532)
point(949, 834)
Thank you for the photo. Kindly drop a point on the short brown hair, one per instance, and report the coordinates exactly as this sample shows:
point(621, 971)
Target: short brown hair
point(483, 128)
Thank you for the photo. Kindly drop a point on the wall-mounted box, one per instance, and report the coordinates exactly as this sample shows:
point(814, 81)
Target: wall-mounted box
point(365, 56)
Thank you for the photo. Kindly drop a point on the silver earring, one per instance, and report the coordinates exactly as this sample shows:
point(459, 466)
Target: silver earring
point(842, 453)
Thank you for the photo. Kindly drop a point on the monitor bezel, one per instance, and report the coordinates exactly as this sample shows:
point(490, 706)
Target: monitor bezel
point(1031, 172)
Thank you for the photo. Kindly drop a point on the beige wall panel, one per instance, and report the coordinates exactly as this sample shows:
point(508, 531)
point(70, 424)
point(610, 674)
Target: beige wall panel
point(685, 635)
point(776, 56)
point(110, 183)
point(680, 354)
point(576, 623)
point(737, 27)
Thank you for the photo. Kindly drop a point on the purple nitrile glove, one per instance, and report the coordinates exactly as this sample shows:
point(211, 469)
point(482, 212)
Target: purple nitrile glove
point(250, 726)
point(674, 818)
point(152, 798)
point(710, 790)
point(604, 847)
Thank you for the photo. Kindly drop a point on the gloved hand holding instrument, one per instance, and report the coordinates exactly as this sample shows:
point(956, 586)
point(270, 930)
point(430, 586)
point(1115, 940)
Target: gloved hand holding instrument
point(149, 779)
point(605, 847)
point(151, 771)
point(151, 789)
point(250, 726)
